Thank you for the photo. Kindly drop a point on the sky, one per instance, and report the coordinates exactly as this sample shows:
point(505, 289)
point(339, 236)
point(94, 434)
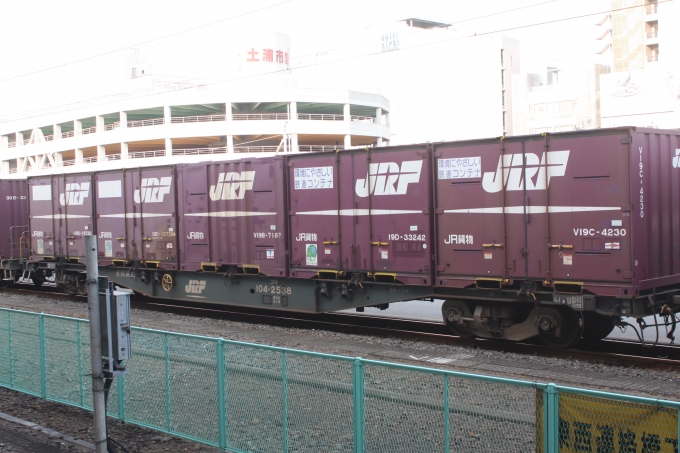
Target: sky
point(86, 41)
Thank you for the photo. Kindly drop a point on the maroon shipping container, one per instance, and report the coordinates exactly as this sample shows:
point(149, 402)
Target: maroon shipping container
point(362, 211)
point(137, 217)
point(60, 208)
point(14, 219)
point(597, 211)
point(233, 216)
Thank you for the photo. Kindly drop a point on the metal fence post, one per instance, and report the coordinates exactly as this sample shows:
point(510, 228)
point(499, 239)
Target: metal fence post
point(11, 350)
point(121, 397)
point(43, 371)
point(446, 414)
point(551, 420)
point(359, 420)
point(80, 365)
point(168, 407)
point(221, 398)
point(284, 385)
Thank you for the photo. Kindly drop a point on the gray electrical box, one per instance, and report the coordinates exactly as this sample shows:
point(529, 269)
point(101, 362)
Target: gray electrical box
point(114, 310)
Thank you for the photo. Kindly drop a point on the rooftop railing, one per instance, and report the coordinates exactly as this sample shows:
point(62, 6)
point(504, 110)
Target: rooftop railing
point(260, 116)
point(198, 119)
point(112, 126)
point(320, 117)
point(652, 58)
point(146, 154)
point(49, 138)
point(652, 9)
point(68, 134)
point(12, 144)
point(89, 130)
point(199, 151)
point(110, 157)
point(653, 34)
point(319, 148)
point(90, 160)
point(144, 123)
point(363, 119)
point(256, 149)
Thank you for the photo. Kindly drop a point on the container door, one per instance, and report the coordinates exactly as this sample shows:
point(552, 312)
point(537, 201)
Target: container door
point(196, 233)
point(316, 215)
point(42, 217)
point(588, 231)
point(133, 239)
point(391, 210)
point(60, 221)
point(155, 201)
point(473, 227)
point(75, 199)
point(111, 213)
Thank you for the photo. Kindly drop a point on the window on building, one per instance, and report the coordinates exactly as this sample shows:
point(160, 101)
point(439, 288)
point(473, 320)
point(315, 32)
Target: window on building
point(501, 57)
point(566, 105)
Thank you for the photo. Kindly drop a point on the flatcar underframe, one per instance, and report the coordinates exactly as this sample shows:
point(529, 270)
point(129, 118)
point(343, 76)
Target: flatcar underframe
point(518, 312)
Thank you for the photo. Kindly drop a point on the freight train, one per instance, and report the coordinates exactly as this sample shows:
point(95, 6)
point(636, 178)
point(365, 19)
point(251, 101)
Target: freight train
point(556, 236)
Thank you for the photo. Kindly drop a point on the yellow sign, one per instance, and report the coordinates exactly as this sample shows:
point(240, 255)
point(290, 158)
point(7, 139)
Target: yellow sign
point(598, 425)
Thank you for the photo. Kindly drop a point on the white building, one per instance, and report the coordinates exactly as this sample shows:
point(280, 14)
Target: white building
point(461, 92)
point(192, 124)
point(442, 85)
point(644, 43)
point(557, 100)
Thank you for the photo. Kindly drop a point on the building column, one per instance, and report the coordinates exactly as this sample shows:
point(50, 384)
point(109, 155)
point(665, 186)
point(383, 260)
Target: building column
point(122, 122)
point(345, 112)
point(379, 142)
point(168, 147)
point(293, 110)
point(58, 159)
point(19, 139)
point(21, 164)
point(123, 150)
point(378, 115)
point(294, 143)
point(230, 144)
point(101, 153)
point(4, 168)
point(56, 134)
point(77, 127)
point(4, 144)
point(79, 156)
point(386, 118)
point(348, 141)
point(99, 123)
point(167, 114)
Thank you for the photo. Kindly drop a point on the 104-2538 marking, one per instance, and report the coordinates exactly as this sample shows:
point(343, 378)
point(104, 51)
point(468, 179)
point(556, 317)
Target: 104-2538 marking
point(274, 289)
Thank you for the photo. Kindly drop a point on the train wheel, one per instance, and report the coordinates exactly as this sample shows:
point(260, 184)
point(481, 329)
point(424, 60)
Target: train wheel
point(452, 310)
point(597, 327)
point(38, 278)
point(166, 282)
point(567, 322)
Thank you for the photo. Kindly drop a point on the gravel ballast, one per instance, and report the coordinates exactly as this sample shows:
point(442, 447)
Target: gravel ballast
point(651, 383)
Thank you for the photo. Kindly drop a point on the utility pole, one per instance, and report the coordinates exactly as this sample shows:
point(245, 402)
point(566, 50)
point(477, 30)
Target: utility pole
point(98, 402)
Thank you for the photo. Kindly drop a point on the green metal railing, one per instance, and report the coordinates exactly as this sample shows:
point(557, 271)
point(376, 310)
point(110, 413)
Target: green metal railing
point(244, 397)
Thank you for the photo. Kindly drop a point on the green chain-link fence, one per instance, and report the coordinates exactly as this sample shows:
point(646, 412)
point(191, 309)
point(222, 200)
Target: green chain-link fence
point(252, 398)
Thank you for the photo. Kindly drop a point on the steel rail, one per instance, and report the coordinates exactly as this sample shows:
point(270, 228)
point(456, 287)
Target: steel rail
point(609, 351)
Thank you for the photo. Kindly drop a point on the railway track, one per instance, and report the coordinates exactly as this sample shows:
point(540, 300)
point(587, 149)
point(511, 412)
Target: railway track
point(608, 351)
